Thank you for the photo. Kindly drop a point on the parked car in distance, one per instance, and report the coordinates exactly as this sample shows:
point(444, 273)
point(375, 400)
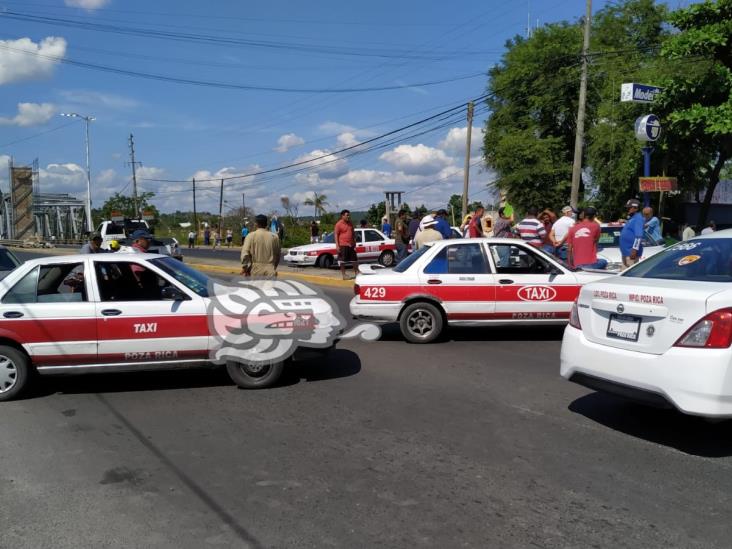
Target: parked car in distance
point(608, 247)
point(371, 245)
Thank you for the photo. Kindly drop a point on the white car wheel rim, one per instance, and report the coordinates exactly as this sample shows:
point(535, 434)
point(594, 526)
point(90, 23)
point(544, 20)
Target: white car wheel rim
point(8, 374)
point(420, 323)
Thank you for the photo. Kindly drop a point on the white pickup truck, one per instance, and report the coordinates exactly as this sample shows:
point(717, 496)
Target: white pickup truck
point(120, 231)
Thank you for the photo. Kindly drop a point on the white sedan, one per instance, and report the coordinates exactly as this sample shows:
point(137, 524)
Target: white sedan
point(468, 282)
point(371, 245)
point(661, 331)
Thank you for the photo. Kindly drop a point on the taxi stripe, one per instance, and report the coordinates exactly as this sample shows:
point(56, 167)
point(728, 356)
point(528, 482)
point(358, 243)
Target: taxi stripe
point(474, 293)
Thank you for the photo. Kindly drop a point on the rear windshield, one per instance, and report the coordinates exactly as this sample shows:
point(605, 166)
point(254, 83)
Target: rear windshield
point(704, 260)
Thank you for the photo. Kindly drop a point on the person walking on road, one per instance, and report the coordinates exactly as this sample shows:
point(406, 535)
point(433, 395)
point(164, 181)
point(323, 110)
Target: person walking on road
point(631, 236)
point(345, 241)
point(582, 240)
point(429, 232)
point(401, 235)
point(260, 253)
point(531, 229)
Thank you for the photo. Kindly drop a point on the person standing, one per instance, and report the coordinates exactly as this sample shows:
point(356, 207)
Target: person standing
point(229, 237)
point(191, 239)
point(710, 228)
point(475, 229)
point(414, 224)
point(582, 239)
point(443, 225)
point(531, 229)
point(244, 233)
point(689, 233)
point(386, 227)
point(345, 241)
point(215, 239)
point(141, 241)
point(260, 253)
point(206, 236)
point(94, 246)
point(548, 218)
point(429, 232)
point(465, 225)
point(631, 236)
point(401, 236)
point(560, 231)
point(502, 228)
point(652, 225)
point(314, 231)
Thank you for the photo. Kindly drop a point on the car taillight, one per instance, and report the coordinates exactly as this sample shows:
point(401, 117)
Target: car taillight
point(714, 331)
point(356, 289)
point(574, 320)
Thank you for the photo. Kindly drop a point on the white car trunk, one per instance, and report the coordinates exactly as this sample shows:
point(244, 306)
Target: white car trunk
point(642, 314)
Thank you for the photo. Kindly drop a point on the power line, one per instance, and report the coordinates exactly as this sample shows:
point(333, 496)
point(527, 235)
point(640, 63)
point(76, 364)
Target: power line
point(44, 132)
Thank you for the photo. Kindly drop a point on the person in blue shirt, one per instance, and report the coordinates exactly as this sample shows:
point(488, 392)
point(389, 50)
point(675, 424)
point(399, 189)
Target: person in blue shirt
point(443, 227)
point(386, 227)
point(652, 224)
point(631, 237)
point(244, 233)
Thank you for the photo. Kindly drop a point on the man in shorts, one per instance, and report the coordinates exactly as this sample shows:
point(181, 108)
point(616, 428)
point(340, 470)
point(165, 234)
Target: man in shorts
point(345, 241)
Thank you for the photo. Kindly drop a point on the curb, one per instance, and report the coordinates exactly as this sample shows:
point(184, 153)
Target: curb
point(315, 279)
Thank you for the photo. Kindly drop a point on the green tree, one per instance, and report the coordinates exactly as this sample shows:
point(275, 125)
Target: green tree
point(318, 201)
point(697, 98)
point(126, 205)
point(376, 213)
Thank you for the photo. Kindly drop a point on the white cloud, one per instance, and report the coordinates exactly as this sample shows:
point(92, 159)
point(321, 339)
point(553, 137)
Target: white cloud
point(63, 178)
point(327, 165)
point(454, 142)
point(106, 176)
point(335, 128)
point(96, 99)
point(288, 141)
point(38, 62)
point(30, 114)
point(416, 159)
point(87, 4)
point(347, 139)
point(149, 172)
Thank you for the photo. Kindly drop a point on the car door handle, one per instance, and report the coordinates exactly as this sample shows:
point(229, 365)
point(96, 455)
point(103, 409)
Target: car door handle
point(111, 312)
point(505, 281)
point(434, 281)
point(13, 314)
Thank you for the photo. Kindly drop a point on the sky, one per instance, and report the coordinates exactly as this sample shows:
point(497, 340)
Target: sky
point(228, 89)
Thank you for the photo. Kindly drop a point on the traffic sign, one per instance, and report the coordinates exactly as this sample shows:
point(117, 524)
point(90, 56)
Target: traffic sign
point(638, 93)
point(655, 184)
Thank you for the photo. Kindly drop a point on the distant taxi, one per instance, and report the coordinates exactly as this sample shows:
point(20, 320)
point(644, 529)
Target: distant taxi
point(660, 332)
point(110, 313)
point(484, 281)
point(371, 245)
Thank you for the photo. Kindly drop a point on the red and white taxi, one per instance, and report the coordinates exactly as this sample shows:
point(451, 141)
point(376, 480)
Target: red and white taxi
point(469, 282)
point(109, 313)
point(371, 245)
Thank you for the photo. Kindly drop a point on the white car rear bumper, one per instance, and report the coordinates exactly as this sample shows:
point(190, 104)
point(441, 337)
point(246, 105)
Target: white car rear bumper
point(387, 312)
point(300, 259)
point(696, 381)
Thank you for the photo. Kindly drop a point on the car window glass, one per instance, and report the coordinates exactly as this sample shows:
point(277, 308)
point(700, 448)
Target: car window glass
point(373, 236)
point(510, 258)
point(127, 281)
point(61, 283)
point(24, 291)
point(408, 261)
point(461, 259)
point(359, 237)
point(191, 278)
point(8, 261)
point(705, 260)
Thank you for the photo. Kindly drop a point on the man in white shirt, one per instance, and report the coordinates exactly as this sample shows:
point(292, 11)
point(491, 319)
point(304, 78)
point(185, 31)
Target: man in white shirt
point(689, 233)
point(560, 231)
point(710, 228)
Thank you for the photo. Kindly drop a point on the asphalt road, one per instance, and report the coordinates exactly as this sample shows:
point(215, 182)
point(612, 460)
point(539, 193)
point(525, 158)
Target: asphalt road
point(473, 441)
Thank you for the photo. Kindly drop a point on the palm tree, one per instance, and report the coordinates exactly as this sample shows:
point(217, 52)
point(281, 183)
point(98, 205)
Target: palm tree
point(318, 201)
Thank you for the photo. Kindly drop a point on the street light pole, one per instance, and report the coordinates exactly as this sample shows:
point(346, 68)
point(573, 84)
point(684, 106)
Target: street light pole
point(86, 119)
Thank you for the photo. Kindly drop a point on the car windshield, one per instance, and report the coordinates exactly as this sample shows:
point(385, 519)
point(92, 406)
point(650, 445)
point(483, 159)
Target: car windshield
point(328, 238)
point(407, 262)
point(610, 238)
point(703, 260)
point(557, 259)
point(190, 278)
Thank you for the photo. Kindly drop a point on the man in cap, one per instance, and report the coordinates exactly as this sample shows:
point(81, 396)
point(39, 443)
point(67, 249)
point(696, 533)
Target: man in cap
point(560, 231)
point(428, 232)
point(582, 239)
point(141, 240)
point(631, 237)
point(94, 246)
point(260, 253)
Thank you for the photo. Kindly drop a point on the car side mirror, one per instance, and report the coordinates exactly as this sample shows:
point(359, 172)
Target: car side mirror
point(172, 293)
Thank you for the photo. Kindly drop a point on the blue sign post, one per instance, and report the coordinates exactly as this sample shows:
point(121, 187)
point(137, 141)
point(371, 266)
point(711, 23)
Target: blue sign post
point(648, 129)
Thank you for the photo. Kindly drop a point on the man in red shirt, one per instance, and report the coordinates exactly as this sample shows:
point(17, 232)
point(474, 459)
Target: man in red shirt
point(345, 241)
point(582, 242)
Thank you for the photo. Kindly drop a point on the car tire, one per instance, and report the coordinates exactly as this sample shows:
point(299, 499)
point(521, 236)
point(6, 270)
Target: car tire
point(387, 258)
point(248, 376)
point(421, 322)
point(15, 372)
point(325, 261)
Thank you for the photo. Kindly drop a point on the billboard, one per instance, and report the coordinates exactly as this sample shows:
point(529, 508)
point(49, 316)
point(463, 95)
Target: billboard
point(663, 184)
point(638, 93)
point(21, 193)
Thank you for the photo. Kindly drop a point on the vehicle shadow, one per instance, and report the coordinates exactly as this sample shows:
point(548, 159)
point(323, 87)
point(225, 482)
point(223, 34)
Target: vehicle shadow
point(689, 434)
point(391, 332)
point(337, 364)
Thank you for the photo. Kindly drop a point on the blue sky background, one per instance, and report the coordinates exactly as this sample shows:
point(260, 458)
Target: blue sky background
point(184, 131)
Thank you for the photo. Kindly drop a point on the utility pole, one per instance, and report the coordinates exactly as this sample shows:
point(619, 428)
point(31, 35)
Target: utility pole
point(580, 134)
point(195, 215)
point(466, 175)
point(243, 205)
point(86, 119)
point(134, 177)
point(221, 208)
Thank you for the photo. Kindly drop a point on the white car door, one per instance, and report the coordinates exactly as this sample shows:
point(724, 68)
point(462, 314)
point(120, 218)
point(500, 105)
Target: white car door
point(136, 324)
point(530, 285)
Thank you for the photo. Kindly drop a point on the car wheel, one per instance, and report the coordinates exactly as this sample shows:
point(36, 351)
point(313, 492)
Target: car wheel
point(250, 376)
point(421, 322)
point(14, 372)
point(387, 258)
point(325, 261)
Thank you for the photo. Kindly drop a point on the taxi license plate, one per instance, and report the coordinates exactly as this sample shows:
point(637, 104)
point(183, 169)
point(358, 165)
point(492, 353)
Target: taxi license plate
point(626, 327)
